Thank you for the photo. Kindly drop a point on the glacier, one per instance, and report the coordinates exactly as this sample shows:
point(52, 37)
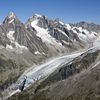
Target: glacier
point(40, 72)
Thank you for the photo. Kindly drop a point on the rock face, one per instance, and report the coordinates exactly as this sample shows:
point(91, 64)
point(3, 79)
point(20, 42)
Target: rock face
point(69, 36)
point(89, 26)
point(20, 37)
point(24, 45)
point(43, 36)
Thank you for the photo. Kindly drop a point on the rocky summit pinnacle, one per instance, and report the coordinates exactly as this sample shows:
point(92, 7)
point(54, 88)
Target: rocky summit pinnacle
point(10, 18)
point(11, 15)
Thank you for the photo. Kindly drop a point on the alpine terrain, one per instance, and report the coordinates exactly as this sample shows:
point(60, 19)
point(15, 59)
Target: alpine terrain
point(46, 59)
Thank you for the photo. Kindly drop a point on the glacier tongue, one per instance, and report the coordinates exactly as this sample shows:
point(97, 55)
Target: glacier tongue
point(40, 72)
point(44, 70)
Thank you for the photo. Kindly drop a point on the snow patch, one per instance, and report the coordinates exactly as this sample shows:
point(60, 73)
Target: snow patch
point(62, 32)
point(67, 43)
point(84, 34)
point(10, 35)
point(37, 52)
point(80, 29)
point(82, 37)
point(11, 20)
point(97, 42)
point(61, 22)
point(9, 47)
point(1, 47)
point(11, 15)
point(68, 26)
point(43, 53)
point(18, 48)
point(38, 15)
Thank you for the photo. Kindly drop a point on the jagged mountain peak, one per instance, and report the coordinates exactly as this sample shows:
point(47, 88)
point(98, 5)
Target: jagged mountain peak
point(42, 27)
point(10, 18)
point(89, 26)
point(37, 16)
point(41, 20)
point(59, 21)
point(11, 15)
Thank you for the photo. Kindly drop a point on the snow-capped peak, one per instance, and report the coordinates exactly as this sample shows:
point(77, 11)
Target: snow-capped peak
point(37, 15)
point(68, 26)
point(61, 22)
point(11, 15)
point(10, 18)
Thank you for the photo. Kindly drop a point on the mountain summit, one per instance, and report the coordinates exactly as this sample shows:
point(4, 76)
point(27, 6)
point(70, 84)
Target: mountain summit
point(10, 18)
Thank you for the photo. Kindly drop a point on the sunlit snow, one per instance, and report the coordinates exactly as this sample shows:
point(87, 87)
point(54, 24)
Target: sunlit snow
point(43, 34)
point(18, 48)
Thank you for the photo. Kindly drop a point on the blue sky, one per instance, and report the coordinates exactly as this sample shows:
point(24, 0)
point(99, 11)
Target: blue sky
point(66, 10)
